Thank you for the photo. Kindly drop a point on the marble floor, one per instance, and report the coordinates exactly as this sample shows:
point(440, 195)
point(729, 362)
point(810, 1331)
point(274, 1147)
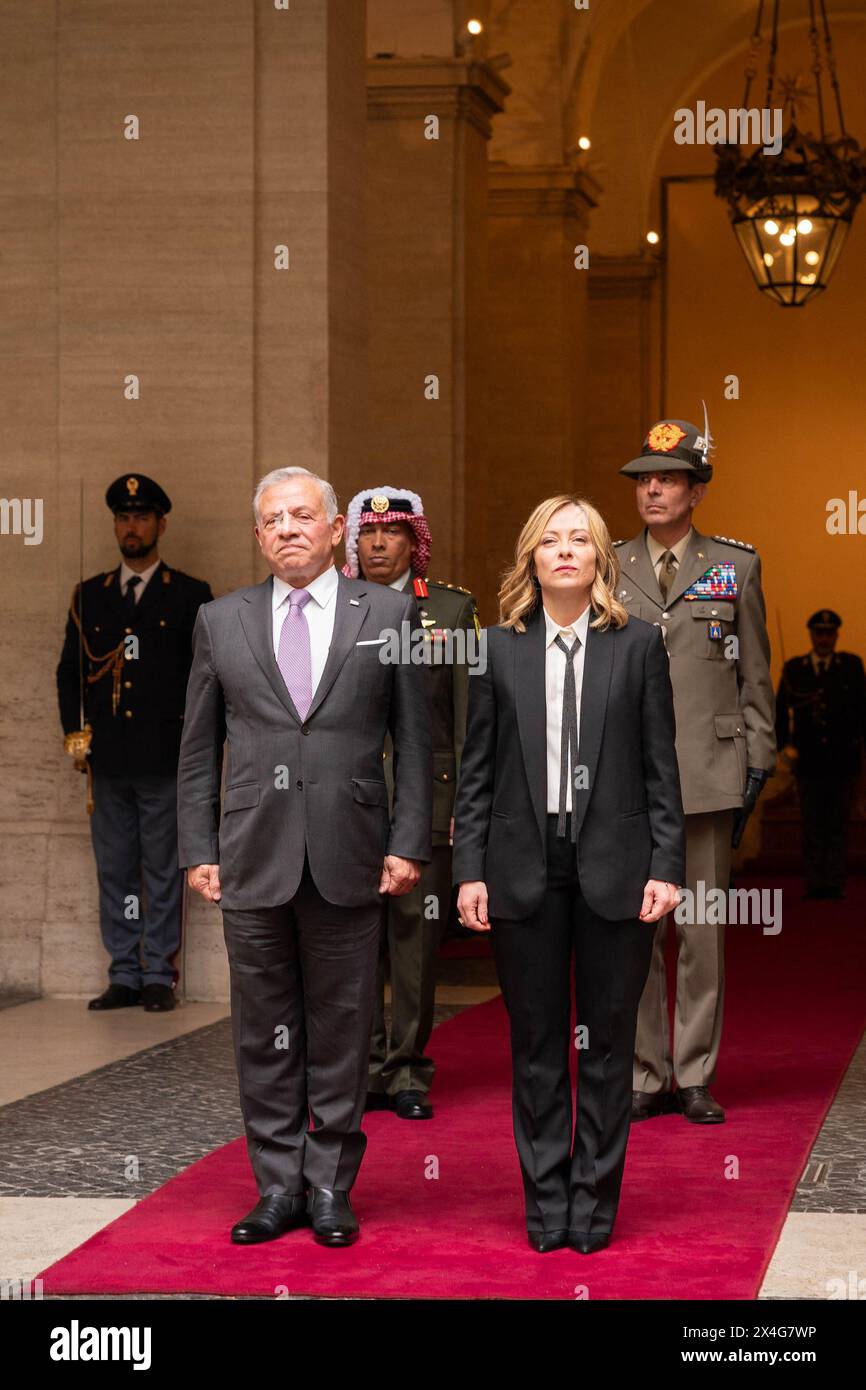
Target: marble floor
point(98, 1110)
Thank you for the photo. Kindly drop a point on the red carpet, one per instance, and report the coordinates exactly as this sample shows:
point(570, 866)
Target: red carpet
point(794, 1016)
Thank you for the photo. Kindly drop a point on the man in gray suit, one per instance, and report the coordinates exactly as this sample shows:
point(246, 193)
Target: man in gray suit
point(288, 674)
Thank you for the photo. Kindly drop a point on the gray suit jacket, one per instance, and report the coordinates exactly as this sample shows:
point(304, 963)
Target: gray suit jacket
point(294, 787)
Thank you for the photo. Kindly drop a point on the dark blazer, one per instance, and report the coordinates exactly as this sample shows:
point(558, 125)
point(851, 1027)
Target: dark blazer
point(293, 786)
point(630, 816)
point(143, 734)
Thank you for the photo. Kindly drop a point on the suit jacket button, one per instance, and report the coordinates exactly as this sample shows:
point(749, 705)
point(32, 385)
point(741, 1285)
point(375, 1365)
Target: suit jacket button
point(128, 713)
point(127, 630)
point(127, 685)
point(666, 615)
point(299, 784)
point(162, 622)
point(305, 728)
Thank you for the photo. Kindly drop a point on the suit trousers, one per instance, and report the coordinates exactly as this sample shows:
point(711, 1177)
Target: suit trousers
point(571, 1181)
point(302, 978)
point(697, 1032)
point(411, 935)
point(134, 834)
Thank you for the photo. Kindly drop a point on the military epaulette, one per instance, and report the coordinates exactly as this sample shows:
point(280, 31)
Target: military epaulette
point(166, 575)
point(108, 578)
point(620, 542)
point(729, 540)
point(443, 584)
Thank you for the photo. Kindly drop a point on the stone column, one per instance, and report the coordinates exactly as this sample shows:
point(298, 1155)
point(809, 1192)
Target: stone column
point(153, 258)
point(539, 358)
point(623, 375)
point(427, 294)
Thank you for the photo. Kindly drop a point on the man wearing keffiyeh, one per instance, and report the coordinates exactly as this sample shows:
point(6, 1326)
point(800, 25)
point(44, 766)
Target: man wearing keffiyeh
point(388, 542)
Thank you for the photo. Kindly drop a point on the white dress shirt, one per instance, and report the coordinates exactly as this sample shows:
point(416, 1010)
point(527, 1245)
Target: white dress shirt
point(554, 682)
point(144, 575)
point(657, 550)
point(319, 613)
point(399, 583)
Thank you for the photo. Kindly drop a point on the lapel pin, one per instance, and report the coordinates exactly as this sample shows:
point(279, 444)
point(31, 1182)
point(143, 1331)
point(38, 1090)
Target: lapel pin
point(356, 603)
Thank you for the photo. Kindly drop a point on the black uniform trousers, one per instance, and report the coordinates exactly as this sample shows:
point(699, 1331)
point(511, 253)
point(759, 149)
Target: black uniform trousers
point(825, 812)
point(302, 981)
point(571, 1182)
point(134, 834)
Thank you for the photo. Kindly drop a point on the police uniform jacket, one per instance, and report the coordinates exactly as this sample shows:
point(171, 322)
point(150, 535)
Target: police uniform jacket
point(823, 713)
point(143, 733)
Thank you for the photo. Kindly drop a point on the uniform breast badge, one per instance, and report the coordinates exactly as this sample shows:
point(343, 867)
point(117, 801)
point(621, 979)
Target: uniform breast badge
point(719, 581)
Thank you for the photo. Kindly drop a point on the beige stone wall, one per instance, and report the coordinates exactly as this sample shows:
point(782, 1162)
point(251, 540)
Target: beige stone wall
point(155, 257)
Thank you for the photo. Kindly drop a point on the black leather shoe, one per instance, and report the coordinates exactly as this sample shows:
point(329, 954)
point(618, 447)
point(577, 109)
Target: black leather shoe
point(412, 1105)
point(377, 1100)
point(646, 1104)
point(697, 1105)
point(117, 997)
point(271, 1217)
point(587, 1242)
point(334, 1222)
point(158, 999)
point(544, 1241)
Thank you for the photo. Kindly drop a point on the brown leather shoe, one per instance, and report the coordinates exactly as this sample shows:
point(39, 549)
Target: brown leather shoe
point(697, 1105)
point(646, 1104)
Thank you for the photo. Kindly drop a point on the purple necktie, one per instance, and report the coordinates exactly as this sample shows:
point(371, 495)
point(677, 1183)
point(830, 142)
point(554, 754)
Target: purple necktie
point(293, 656)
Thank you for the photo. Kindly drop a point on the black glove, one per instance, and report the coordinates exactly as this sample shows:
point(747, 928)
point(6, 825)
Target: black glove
point(755, 779)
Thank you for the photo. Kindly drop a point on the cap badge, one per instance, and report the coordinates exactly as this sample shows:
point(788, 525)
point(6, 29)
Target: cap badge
point(379, 503)
point(132, 486)
point(662, 438)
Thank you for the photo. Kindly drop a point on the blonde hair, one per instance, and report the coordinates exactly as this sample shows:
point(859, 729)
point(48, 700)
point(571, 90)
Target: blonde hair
point(519, 593)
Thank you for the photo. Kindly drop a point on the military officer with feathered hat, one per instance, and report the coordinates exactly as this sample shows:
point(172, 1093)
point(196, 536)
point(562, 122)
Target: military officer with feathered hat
point(125, 702)
point(388, 542)
point(705, 594)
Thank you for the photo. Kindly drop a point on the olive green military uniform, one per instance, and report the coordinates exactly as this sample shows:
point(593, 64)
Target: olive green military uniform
point(714, 627)
point(413, 923)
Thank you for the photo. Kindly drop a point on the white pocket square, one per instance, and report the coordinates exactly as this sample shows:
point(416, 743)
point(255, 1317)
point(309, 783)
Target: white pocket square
point(372, 642)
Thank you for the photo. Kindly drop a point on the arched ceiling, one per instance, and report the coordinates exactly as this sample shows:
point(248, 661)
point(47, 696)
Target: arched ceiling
point(617, 72)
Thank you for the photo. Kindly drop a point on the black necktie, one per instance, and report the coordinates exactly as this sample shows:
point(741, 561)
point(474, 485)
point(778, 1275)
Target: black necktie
point(568, 746)
point(129, 595)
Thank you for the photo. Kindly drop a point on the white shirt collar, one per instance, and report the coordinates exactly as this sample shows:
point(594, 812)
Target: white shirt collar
point(657, 550)
point(579, 628)
point(127, 573)
point(400, 583)
point(322, 589)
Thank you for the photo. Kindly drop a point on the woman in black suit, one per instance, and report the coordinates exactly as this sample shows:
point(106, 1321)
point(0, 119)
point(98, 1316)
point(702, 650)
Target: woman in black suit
point(569, 842)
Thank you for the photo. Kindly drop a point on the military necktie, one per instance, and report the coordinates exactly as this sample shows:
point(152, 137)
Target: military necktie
point(667, 570)
point(568, 746)
point(129, 595)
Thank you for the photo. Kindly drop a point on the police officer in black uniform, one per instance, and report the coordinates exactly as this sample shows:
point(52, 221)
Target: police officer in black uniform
point(136, 624)
point(821, 717)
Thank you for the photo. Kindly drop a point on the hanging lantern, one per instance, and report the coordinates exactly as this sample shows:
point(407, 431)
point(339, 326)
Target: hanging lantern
point(791, 211)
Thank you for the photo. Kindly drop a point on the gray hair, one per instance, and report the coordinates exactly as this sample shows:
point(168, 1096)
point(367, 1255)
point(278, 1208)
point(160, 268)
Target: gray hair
point(281, 475)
